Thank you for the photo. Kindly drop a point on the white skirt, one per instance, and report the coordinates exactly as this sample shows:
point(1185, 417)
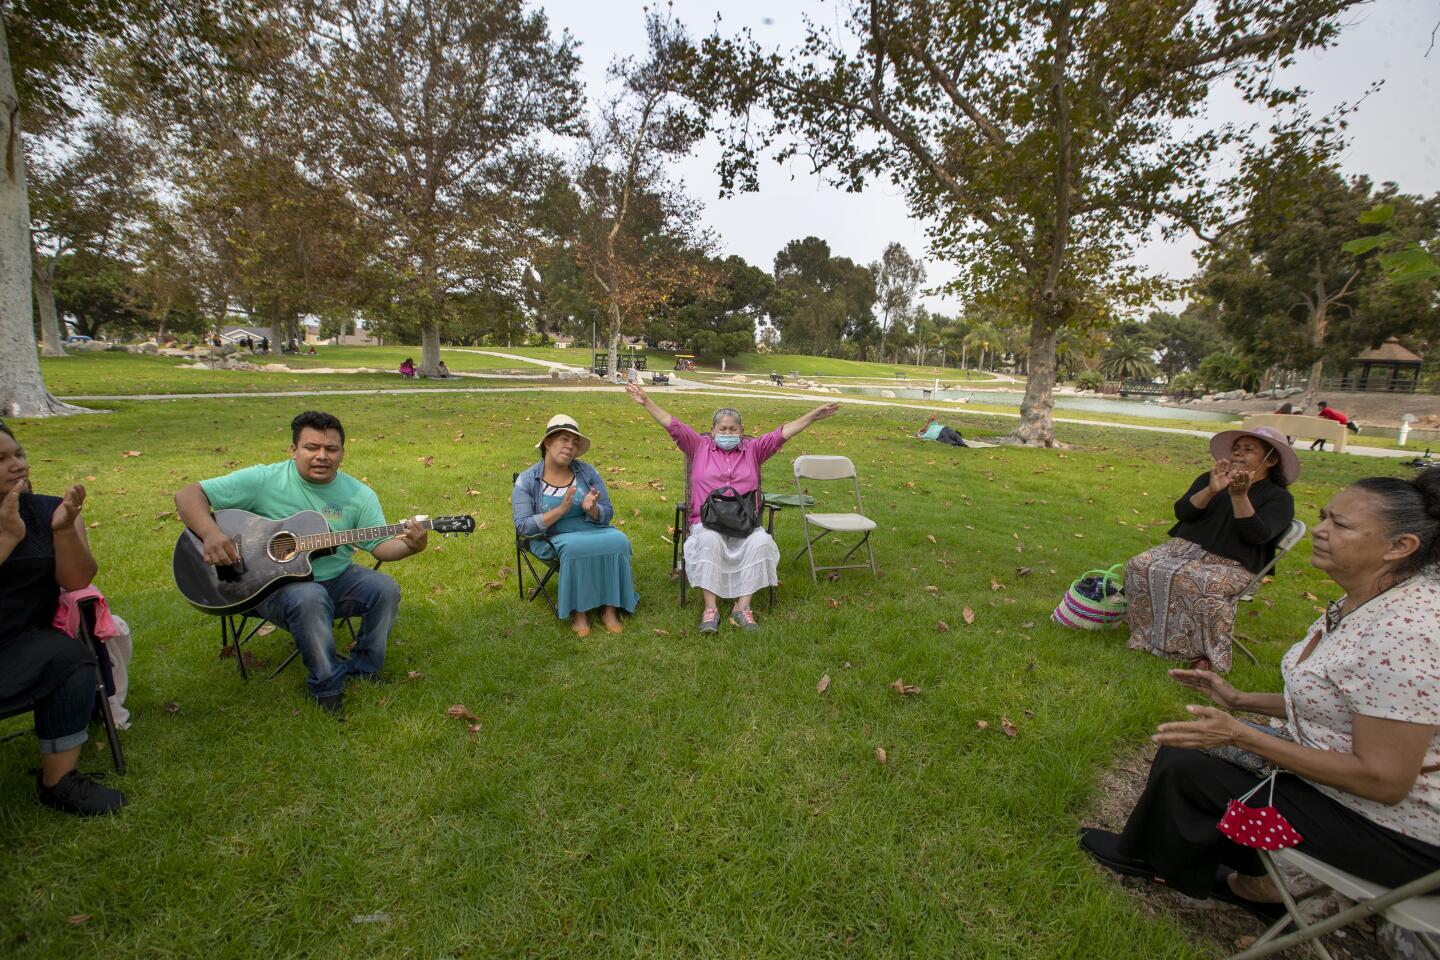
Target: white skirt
point(730, 567)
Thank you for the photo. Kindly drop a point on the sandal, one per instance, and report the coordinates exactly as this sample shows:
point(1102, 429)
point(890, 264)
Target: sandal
point(710, 621)
point(1103, 847)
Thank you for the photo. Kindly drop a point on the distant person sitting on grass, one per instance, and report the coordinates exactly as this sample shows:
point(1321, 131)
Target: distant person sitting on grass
point(311, 351)
point(442, 371)
point(43, 551)
point(935, 430)
point(407, 368)
point(1330, 413)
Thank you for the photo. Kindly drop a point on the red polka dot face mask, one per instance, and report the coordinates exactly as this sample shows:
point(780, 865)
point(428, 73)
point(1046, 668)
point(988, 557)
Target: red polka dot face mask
point(1263, 828)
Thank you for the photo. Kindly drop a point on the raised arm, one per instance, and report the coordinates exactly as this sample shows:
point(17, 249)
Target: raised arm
point(638, 394)
point(799, 424)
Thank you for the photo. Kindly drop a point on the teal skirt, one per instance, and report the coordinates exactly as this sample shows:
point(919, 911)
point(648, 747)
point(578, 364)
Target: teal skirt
point(594, 567)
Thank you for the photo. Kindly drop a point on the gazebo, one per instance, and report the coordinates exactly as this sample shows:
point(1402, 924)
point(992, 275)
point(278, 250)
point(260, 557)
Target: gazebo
point(1388, 367)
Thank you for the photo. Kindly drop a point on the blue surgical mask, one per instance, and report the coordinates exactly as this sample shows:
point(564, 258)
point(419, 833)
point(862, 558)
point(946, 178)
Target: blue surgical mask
point(727, 441)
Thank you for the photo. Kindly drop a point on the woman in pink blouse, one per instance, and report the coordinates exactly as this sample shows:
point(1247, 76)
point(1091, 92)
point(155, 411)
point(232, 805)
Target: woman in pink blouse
point(718, 565)
point(1358, 757)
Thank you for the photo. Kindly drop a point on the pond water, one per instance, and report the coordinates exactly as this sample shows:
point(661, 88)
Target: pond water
point(1132, 408)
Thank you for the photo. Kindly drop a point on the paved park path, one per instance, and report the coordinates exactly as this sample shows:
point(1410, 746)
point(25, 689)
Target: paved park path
point(516, 357)
point(689, 387)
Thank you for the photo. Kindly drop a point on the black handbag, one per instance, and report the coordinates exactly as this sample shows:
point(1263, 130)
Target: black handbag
point(730, 513)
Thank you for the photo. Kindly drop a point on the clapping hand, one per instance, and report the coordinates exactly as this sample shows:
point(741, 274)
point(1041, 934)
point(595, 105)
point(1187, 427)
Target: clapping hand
point(1240, 483)
point(568, 499)
point(1209, 683)
point(592, 497)
point(12, 525)
point(70, 507)
point(1212, 727)
point(1220, 475)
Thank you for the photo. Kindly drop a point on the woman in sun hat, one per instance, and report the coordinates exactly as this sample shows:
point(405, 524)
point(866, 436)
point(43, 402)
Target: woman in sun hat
point(1182, 594)
point(563, 510)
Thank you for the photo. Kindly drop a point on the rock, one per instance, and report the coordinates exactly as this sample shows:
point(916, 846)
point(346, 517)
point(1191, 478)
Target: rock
point(116, 348)
point(147, 347)
point(1208, 398)
point(888, 394)
point(225, 349)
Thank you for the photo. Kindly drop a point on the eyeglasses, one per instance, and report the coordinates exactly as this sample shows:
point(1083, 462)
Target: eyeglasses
point(1334, 611)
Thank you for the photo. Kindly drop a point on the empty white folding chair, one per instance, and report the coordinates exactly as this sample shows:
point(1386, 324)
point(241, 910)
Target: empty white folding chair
point(824, 468)
point(1409, 906)
point(1293, 535)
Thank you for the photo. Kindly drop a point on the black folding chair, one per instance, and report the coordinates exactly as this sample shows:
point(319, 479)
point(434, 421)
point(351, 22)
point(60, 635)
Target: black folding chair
point(104, 683)
point(526, 560)
point(236, 630)
point(682, 530)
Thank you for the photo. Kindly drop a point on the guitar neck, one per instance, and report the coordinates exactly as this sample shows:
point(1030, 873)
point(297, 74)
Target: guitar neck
point(325, 541)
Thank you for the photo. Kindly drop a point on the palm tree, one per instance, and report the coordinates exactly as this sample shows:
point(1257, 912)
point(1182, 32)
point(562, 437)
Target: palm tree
point(1128, 358)
point(983, 337)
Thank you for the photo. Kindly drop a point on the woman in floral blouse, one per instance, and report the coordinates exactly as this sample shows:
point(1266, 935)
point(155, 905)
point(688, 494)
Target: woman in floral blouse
point(1359, 758)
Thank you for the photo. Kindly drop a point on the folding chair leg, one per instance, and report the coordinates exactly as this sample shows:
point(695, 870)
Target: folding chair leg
point(1244, 649)
point(283, 664)
point(117, 756)
point(1428, 944)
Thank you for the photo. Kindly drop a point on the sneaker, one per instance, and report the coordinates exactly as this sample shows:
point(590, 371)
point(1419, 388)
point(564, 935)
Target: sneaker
point(333, 705)
point(744, 619)
point(710, 621)
point(81, 795)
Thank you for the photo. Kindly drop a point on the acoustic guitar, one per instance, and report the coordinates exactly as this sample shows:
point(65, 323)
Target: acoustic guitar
point(272, 554)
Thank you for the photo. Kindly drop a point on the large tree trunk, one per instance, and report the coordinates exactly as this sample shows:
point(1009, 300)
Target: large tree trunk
point(42, 272)
point(429, 348)
point(1320, 322)
point(22, 388)
point(1037, 419)
point(613, 369)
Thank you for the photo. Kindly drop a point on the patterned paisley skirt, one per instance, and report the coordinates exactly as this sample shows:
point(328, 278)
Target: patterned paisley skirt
point(1182, 601)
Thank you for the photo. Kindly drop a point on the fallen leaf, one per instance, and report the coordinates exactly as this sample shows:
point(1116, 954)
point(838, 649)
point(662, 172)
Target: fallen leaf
point(94, 525)
point(636, 512)
point(132, 453)
point(472, 492)
point(428, 461)
point(493, 584)
point(983, 724)
point(164, 514)
point(930, 537)
point(460, 436)
point(1270, 604)
point(265, 630)
point(968, 614)
point(414, 675)
point(943, 627)
point(462, 712)
point(931, 588)
point(1022, 571)
point(1079, 536)
point(1310, 596)
point(902, 688)
point(76, 919)
point(1008, 727)
point(474, 729)
point(171, 707)
point(1028, 625)
point(996, 584)
point(1244, 942)
point(661, 633)
point(823, 685)
point(880, 751)
point(832, 577)
point(1030, 714)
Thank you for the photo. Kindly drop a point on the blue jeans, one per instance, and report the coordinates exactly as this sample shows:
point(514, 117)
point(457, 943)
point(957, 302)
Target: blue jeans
point(308, 611)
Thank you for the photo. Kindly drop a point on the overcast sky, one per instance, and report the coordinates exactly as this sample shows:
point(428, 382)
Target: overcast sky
point(1392, 137)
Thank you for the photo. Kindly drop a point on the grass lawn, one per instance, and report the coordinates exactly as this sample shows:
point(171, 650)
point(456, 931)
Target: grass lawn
point(651, 794)
point(128, 374)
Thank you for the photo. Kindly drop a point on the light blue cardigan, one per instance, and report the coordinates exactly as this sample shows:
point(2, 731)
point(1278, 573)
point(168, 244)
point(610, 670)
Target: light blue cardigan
point(527, 505)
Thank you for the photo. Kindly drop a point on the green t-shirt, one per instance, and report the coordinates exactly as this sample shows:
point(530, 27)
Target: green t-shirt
point(276, 491)
point(932, 432)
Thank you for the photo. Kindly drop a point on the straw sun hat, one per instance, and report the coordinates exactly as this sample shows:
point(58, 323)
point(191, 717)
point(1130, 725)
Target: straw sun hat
point(564, 423)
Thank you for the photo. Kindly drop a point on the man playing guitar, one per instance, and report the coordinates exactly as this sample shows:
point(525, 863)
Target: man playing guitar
point(311, 480)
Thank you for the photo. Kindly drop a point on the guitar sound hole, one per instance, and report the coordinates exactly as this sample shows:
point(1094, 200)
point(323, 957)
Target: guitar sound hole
point(282, 547)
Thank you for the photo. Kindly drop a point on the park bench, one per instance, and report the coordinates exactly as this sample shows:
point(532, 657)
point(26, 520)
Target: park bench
point(659, 379)
point(1299, 427)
